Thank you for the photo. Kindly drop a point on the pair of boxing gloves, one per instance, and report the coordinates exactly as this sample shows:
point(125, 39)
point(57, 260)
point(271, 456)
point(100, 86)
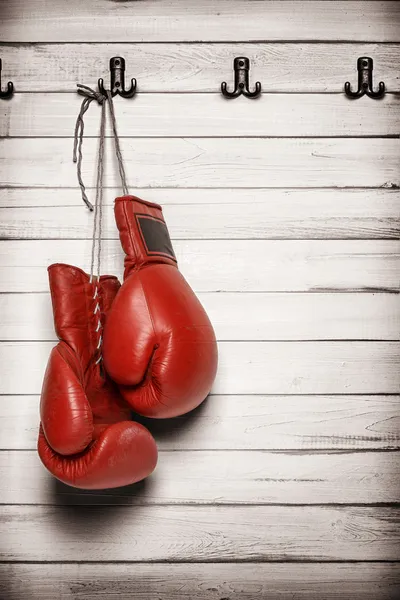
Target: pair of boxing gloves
point(146, 346)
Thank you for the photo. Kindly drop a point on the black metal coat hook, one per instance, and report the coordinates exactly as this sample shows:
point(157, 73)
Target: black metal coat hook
point(117, 68)
point(10, 87)
point(241, 65)
point(365, 66)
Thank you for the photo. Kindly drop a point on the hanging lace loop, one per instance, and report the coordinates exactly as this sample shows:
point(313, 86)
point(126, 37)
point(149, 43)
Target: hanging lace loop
point(103, 99)
point(89, 96)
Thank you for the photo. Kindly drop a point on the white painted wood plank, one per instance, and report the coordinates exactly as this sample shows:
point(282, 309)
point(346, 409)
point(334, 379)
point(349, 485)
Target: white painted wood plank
point(252, 367)
point(194, 67)
point(180, 115)
point(208, 162)
point(166, 20)
point(213, 214)
point(194, 533)
point(246, 422)
point(225, 266)
point(273, 581)
point(211, 477)
point(301, 316)
point(308, 367)
point(250, 316)
point(179, 536)
point(287, 212)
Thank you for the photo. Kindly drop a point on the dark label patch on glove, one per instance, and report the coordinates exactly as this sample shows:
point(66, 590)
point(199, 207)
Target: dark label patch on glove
point(155, 236)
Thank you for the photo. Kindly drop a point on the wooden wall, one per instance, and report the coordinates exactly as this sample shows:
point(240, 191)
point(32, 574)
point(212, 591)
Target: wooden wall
point(284, 213)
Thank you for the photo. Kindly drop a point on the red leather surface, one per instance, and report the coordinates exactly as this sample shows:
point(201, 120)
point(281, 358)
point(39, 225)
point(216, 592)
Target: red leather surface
point(159, 345)
point(87, 438)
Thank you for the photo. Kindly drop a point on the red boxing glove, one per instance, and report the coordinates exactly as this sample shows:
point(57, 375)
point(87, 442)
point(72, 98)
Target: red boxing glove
point(86, 437)
point(159, 345)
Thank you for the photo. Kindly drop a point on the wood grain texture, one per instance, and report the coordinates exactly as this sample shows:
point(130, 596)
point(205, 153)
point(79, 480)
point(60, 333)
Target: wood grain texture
point(252, 367)
point(194, 67)
point(225, 266)
point(235, 422)
point(381, 204)
point(236, 213)
point(166, 20)
point(177, 115)
point(199, 533)
point(273, 581)
point(208, 162)
point(211, 477)
point(295, 455)
point(251, 316)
